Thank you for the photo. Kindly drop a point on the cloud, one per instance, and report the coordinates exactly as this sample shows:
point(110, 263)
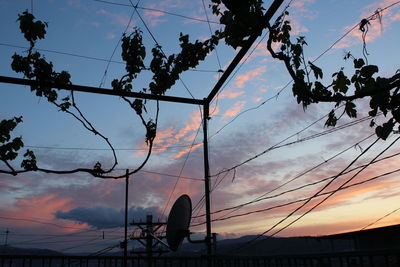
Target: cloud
point(375, 28)
point(318, 229)
point(120, 19)
point(230, 94)
point(242, 79)
point(102, 217)
point(186, 150)
point(154, 17)
point(300, 8)
point(172, 135)
point(297, 28)
point(110, 36)
point(234, 110)
point(40, 208)
point(73, 195)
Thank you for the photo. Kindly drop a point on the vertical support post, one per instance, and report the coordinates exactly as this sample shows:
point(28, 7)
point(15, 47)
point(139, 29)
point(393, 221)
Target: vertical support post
point(6, 241)
point(206, 111)
point(149, 239)
point(126, 220)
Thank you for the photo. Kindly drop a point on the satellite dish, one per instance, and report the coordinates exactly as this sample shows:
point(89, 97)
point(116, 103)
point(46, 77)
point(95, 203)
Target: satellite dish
point(179, 221)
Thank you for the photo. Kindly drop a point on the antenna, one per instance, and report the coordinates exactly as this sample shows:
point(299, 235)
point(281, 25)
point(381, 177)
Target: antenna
point(7, 232)
point(179, 221)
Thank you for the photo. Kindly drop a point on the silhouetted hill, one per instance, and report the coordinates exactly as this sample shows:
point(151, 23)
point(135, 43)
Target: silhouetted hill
point(8, 250)
point(372, 239)
point(268, 246)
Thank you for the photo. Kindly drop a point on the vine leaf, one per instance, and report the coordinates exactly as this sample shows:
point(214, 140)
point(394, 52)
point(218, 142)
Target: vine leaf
point(317, 71)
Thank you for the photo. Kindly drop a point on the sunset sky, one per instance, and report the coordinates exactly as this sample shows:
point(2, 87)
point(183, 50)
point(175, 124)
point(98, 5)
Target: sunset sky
point(255, 111)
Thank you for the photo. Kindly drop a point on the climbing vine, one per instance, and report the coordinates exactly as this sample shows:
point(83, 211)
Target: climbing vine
point(34, 66)
point(239, 19)
point(344, 89)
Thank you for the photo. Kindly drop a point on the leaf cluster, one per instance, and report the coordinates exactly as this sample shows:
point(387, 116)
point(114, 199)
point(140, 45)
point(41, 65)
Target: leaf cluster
point(9, 148)
point(35, 67)
point(31, 29)
point(343, 89)
point(166, 70)
point(240, 19)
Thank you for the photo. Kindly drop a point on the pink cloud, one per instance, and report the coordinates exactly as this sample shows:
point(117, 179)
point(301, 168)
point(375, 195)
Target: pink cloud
point(151, 13)
point(154, 17)
point(242, 79)
point(193, 125)
point(231, 94)
point(234, 110)
point(43, 207)
point(120, 19)
point(186, 150)
point(375, 28)
point(263, 89)
point(110, 36)
point(170, 136)
point(297, 28)
point(300, 10)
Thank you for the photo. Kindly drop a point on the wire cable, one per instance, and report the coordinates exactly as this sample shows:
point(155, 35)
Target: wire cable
point(350, 30)
point(319, 191)
point(265, 196)
point(181, 171)
point(158, 10)
point(248, 56)
point(103, 79)
point(209, 27)
point(350, 124)
point(225, 217)
point(44, 222)
point(250, 109)
point(314, 60)
point(282, 144)
point(301, 200)
point(335, 191)
point(156, 42)
point(89, 57)
point(310, 198)
point(381, 218)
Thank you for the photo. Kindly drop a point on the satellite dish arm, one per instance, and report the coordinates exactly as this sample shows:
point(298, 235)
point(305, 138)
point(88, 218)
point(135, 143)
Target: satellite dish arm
point(159, 240)
point(195, 241)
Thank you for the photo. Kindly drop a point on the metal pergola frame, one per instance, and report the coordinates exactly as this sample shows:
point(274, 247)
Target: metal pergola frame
point(205, 102)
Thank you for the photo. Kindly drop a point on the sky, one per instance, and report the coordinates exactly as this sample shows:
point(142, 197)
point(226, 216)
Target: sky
point(262, 144)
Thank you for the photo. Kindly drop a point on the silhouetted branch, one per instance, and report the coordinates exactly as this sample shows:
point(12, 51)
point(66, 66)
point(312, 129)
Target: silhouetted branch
point(13, 172)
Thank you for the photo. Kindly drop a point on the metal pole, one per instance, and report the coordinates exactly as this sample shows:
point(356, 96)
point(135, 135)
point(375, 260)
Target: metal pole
point(149, 239)
point(242, 52)
point(96, 90)
point(126, 219)
point(7, 232)
point(206, 110)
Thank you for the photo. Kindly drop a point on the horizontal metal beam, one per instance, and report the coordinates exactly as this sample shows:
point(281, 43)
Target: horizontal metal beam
point(96, 90)
point(267, 17)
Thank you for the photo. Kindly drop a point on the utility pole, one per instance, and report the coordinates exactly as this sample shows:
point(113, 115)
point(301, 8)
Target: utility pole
point(148, 237)
point(7, 232)
point(206, 116)
point(126, 220)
